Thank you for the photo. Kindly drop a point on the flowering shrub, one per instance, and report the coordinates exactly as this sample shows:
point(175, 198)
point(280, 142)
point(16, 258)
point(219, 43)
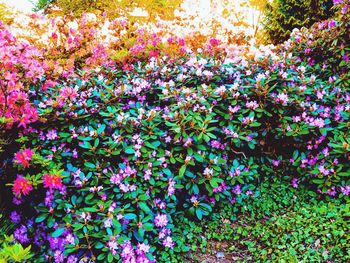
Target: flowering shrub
point(118, 153)
point(20, 67)
point(136, 147)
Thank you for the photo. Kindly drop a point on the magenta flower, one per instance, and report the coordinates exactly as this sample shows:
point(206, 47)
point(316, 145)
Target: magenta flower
point(53, 181)
point(22, 186)
point(24, 157)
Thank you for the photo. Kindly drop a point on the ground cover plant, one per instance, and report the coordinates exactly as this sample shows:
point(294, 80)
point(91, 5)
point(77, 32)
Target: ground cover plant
point(277, 223)
point(123, 158)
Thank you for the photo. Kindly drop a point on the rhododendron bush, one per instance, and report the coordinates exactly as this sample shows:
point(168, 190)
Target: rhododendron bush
point(20, 66)
point(107, 155)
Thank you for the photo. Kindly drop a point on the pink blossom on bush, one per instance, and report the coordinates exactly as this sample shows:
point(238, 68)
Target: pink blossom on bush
point(161, 220)
point(21, 186)
point(52, 181)
point(24, 157)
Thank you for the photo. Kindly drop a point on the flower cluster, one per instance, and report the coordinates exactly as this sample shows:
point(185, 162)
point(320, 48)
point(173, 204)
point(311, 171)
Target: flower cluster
point(24, 157)
point(22, 186)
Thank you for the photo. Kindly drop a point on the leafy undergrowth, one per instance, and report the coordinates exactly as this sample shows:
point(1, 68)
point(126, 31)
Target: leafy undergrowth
point(277, 224)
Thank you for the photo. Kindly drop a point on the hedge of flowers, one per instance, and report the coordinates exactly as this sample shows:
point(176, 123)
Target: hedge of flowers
point(107, 158)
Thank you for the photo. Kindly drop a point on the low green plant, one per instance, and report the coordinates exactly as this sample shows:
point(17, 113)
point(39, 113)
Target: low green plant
point(276, 224)
point(11, 251)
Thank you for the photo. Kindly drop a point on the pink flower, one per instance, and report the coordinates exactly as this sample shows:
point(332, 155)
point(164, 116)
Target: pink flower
point(214, 42)
point(21, 186)
point(168, 242)
point(294, 182)
point(53, 181)
point(282, 97)
point(161, 220)
point(24, 157)
point(52, 134)
point(345, 190)
point(142, 248)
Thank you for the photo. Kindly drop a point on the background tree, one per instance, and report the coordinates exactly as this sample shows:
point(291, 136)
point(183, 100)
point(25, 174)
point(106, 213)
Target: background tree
point(6, 16)
point(282, 16)
point(113, 8)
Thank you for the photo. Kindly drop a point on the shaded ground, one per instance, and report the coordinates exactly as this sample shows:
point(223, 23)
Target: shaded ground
point(280, 225)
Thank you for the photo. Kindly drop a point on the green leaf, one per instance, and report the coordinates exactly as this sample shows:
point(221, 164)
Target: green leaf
point(213, 183)
point(110, 257)
point(198, 157)
point(101, 128)
point(206, 207)
point(97, 142)
point(144, 207)
point(89, 165)
point(182, 171)
point(130, 216)
point(148, 226)
point(58, 232)
point(85, 145)
point(199, 214)
point(40, 218)
point(167, 172)
point(129, 150)
point(149, 145)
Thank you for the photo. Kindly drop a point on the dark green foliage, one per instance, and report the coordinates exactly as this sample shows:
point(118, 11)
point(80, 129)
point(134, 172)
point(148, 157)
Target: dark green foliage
point(282, 16)
point(43, 4)
point(279, 223)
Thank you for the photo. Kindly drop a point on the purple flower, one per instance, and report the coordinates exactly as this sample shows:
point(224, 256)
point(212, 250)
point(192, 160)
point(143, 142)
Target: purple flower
point(70, 239)
point(21, 234)
point(161, 220)
point(72, 259)
point(15, 217)
point(276, 162)
point(345, 190)
point(193, 199)
point(142, 248)
point(294, 182)
point(236, 189)
point(282, 98)
point(17, 201)
point(249, 193)
point(215, 144)
point(168, 242)
point(128, 253)
point(51, 134)
point(113, 246)
point(332, 191)
point(332, 23)
point(56, 243)
point(58, 256)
